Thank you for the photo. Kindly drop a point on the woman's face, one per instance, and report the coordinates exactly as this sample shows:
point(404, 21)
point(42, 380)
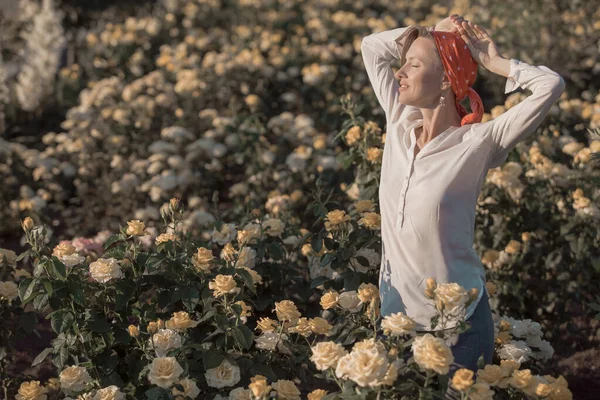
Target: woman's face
point(422, 73)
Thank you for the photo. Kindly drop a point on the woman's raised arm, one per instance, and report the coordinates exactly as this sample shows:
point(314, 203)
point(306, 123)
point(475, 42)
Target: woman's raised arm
point(506, 130)
point(378, 51)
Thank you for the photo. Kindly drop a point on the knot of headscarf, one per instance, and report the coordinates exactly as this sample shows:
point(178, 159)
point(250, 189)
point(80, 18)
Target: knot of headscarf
point(461, 70)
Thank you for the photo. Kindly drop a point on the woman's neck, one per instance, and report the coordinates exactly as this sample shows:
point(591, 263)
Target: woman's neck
point(436, 121)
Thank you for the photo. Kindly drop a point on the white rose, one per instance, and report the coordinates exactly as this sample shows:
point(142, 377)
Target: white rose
point(109, 393)
point(225, 235)
point(365, 366)
point(246, 258)
point(273, 226)
point(9, 290)
point(433, 353)
point(190, 389)
point(164, 371)
point(326, 355)
point(164, 341)
point(350, 301)
point(104, 269)
point(74, 379)
point(71, 259)
point(225, 374)
point(398, 324)
point(372, 257)
point(516, 350)
point(237, 394)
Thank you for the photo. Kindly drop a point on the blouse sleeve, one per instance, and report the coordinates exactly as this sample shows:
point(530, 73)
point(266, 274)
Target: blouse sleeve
point(378, 50)
point(506, 130)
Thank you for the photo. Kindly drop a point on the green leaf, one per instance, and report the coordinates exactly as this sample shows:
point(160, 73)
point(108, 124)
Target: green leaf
point(124, 291)
point(26, 288)
point(111, 240)
point(326, 259)
point(318, 281)
point(248, 281)
point(76, 291)
point(316, 243)
point(59, 269)
point(275, 251)
point(47, 285)
point(212, 359)
point(243, 335)
point(362, 261)
point(28, 321)
point(42, 356)
point(23, 255)
point(117, 251)
point(190, 296)
point(61, 321)
point(40, 301)
point(98, 324)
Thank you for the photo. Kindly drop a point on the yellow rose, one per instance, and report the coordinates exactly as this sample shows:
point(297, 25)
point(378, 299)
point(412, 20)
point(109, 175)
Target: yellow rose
point(201, 260)
point(27, 224)
point(481, 391)
point(31, 391)
point(367, 292)
point(222, 285)
point(256, 278)
point(398, 324)
point(228, 253)
point(491, 288)
point(320, 326)
point(164, 372)
point(133, 331)
point(286, 311)
point(365, 366)
point(374, 154)
point(431, 284)
point(136, 228)
point(259, 386)
point(286, 390)
point(353, 134)
point(451, 294)
point(302, 327)
point(364, 206)
point(490, 256)
point(543, 390)
point(463, 379)
point(431, 352)
point(316, 394)
point(74, 378)
point(520, 378)
point(273, 226)
point(111, 392)
point(180, 321)
point(560, 393)
point(9, 290)
point(329, 299)
point(63, 249)
point(245, 308)
point(105, 269)
point(491, 374)
point(152, 327)
point(512, 247)
point(370, 220)
point(327, 354)
point(334, 219)
point(266, 324)
point(165, 237)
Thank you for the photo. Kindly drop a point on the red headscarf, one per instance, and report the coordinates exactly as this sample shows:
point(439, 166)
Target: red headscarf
point(461, 70)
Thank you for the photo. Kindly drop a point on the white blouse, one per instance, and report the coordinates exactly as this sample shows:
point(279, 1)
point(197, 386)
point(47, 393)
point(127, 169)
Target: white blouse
point(428, 202)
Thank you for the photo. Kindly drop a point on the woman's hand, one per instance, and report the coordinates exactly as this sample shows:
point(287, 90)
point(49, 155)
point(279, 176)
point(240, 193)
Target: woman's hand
point(482, 47)
point(449, 24)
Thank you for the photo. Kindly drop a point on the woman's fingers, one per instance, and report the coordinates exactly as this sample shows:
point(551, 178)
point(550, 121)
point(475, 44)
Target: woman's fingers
point(468, 29)
point(482, 31)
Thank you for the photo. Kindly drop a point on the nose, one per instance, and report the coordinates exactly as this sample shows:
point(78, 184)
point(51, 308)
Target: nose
point(400, 73)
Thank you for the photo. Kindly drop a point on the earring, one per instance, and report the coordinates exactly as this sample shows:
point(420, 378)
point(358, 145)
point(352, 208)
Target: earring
point(442, 100)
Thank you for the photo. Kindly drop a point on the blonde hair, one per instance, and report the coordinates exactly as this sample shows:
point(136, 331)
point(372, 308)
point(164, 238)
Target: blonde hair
point(409, 36)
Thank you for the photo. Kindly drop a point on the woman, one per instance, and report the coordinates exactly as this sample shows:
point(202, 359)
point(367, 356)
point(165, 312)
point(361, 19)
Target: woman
point(435, 160)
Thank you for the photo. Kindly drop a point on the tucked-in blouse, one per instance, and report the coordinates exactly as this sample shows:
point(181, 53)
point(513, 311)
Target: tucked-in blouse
point(428, 201)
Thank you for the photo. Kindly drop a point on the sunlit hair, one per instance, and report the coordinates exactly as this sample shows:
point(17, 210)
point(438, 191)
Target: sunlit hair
point(409, 36)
